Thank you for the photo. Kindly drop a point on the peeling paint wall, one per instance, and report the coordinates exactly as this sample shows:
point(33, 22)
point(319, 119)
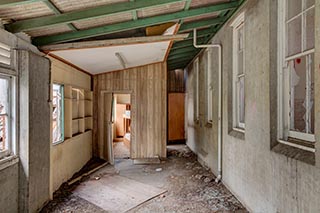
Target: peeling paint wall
point(262, 179)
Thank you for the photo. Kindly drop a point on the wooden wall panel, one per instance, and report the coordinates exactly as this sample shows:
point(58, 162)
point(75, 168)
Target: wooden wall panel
point(148, 88)
point(176, 116)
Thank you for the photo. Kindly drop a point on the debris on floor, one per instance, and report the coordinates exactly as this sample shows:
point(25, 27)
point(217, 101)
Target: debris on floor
point(190, 187)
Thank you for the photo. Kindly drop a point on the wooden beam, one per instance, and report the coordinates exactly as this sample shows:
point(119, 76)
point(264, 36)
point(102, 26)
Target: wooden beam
point(113, 28)
point(202, 23)
point(105, 10)
point(111, 42)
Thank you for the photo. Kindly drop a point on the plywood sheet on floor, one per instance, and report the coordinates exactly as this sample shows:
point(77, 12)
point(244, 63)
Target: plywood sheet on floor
point(115, 193)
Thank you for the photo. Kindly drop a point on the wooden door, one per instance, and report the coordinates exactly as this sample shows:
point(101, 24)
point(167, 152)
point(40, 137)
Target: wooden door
point(176, 117)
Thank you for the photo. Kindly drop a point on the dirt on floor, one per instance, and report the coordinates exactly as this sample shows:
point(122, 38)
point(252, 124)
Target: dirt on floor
point(190, 187)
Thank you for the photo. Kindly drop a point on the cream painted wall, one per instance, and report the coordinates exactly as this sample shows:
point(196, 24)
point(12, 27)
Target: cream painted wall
point(70, 156)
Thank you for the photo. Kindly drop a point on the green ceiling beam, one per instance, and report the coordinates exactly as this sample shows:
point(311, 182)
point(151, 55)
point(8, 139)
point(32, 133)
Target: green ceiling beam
point(182, 66)
point(182, 55)
point(105, 10)
point(178, 60)
point(202, 23)
point(58, 12)
point(10, 3)
point(113, 28)
point(186, 43)
point(177, 65)
point(187, 4)
point(182, 50)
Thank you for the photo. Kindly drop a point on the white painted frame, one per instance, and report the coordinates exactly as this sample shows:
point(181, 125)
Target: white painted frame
point(237, 24)
point(11, 117)
point(284, 75)
point(197, 92)
point(209, 86)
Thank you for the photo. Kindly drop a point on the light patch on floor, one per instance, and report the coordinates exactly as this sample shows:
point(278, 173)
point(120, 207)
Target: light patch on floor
point(115, 193)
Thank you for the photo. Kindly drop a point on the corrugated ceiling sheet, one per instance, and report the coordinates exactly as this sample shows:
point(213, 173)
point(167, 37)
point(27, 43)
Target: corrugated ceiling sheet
point(24, 11)
point(85, 24)
point(71, 5)
point(164, 9)
point(49, 31)
point(201, 3)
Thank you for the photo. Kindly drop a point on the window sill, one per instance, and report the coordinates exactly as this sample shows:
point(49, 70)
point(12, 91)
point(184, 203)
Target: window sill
point(295, 153)
point(8, 161)
point(237, 133)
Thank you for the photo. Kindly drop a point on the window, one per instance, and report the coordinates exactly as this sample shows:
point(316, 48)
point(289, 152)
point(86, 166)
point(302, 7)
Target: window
point(196, 70)
point(209, 85)
point(7, 137)
point(238, 74)
point(296, 70)
point(57, 113)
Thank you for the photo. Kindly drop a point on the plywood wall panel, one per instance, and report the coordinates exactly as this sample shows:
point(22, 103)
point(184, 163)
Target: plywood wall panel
point(148, 88)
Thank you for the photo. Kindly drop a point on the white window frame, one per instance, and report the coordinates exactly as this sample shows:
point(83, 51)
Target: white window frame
point(62, 114)
point(197, 92)
point(284, 75)
point(209, 86)
point(11, 115)
point(237, 24)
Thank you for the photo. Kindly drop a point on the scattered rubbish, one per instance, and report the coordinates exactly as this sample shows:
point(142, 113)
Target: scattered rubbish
point(97, 178)
point(207, 180)
point(198, 176)
point(162, 196)
point(158, 169)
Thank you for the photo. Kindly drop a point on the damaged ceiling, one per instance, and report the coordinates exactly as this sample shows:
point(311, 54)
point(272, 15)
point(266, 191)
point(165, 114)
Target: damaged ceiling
point(61, 21)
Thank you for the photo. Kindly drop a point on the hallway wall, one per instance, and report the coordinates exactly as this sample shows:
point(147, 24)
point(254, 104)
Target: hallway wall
point(147, 86)
point(253, 169)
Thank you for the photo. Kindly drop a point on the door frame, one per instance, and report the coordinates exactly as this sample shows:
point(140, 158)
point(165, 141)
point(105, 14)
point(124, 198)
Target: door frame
point(109, 141)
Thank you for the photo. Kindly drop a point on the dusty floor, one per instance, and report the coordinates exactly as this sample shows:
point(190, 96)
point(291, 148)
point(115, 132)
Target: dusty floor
point(120, 150)
point(190, 187)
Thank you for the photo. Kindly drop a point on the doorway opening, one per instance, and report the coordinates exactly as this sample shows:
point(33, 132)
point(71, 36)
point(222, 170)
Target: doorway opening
point(121, 126)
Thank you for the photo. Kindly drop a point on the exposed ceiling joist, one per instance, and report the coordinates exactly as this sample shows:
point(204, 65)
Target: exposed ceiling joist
point(71, 36)
point(112, 42)
point(105, 10)
point(187, 43)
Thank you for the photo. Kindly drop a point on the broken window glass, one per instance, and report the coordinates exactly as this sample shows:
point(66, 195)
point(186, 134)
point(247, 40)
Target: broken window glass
point(302, 95)
point(57, 114)
point(4, 110)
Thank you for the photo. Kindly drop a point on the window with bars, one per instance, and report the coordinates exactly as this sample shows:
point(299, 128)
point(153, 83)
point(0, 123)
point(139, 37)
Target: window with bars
point(238, 74)
point(296, 71)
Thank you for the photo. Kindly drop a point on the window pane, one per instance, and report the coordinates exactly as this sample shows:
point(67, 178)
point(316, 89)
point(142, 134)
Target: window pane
point(298, 95)
point(294, 7)
point(241, 100)
point(57, 113)
point(4, 107)
point(294, 36)
point(4, 95)
point(309, 3)
point(310, 29)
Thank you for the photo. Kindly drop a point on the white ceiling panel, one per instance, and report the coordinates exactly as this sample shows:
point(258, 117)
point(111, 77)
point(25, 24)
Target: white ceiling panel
point(104, 59)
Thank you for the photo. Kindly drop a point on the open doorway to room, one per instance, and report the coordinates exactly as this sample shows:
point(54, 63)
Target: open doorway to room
point(121, 126)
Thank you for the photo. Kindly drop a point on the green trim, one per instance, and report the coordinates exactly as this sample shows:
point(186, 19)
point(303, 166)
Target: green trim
point(202, 23)
point(113, 28)
point(105, 10)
